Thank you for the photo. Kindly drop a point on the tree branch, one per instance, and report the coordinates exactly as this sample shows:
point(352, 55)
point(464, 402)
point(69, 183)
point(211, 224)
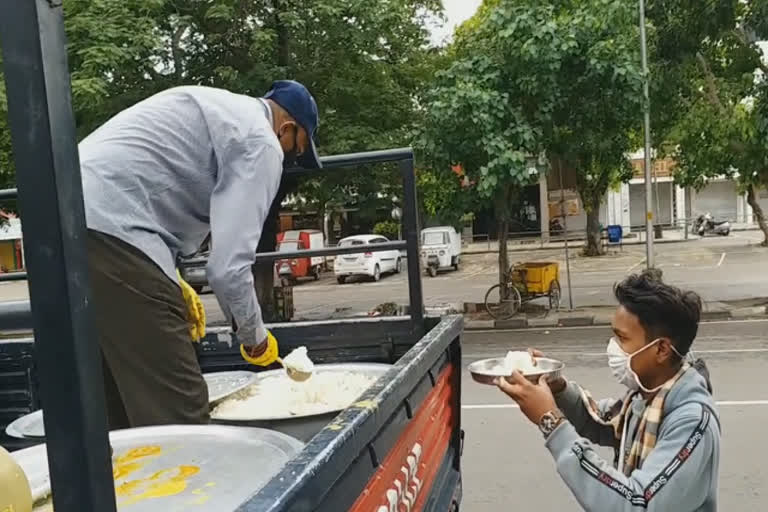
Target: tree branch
point(176, 49)
point(709, 77)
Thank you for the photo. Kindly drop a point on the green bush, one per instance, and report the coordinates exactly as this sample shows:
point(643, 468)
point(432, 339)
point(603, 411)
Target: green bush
point(387, 228)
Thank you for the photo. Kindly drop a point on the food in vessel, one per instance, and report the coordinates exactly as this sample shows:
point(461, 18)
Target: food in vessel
point(280, 397)
point(520, 361)
point(299, 360)
point(15, 494)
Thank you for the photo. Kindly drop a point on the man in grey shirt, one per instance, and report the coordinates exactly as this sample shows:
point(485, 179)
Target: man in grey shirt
point(157, 179)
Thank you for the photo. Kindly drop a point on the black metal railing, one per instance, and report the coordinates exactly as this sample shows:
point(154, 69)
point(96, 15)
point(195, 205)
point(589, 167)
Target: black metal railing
point(50, 194)
point(404, 156)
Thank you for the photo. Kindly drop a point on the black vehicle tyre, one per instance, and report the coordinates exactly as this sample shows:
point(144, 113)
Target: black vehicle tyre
point(198, 289)
point(377, 273)
point(341, 279)
point(432, 271)
point(398, 266)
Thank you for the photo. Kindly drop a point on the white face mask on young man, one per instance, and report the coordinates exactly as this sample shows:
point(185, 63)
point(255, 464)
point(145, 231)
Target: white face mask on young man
point(620, 364)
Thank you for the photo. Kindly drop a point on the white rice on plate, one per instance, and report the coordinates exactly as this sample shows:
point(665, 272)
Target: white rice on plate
point(279, 396)
point(520, 361)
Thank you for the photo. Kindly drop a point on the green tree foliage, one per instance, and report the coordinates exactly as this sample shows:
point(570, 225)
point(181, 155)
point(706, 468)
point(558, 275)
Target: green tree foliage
point(601, 86)
point(388, 228)
point(445, 198)
point(532, 78)
point(363, 61)
point(720, 111)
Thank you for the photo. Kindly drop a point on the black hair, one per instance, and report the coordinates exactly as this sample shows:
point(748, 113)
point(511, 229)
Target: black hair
point(663, 310)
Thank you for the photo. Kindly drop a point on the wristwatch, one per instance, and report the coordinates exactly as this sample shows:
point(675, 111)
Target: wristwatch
point(550, 421)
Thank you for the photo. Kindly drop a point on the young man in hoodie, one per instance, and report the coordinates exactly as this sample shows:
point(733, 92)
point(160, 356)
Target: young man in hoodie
point(665, 431)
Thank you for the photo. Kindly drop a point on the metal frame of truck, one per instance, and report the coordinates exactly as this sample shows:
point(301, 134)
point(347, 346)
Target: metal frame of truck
point(402, 441)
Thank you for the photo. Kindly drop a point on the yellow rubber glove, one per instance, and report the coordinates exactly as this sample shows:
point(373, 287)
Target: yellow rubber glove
point(195, 311)
point(267, 358)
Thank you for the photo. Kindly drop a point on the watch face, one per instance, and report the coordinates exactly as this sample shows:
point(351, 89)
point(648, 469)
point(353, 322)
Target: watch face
point(548, 423)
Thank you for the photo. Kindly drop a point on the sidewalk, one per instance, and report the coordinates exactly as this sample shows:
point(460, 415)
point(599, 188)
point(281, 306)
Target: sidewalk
point(634, 238)
point(533, 243)
point(475, 317)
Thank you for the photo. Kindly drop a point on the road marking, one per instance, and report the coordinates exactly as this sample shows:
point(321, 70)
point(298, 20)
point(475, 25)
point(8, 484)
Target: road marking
point(476, 273)
point(722, 258)
point(602, 354)
point(604, 327)
point(736, 403)
point(633, 267)
point(721, 403)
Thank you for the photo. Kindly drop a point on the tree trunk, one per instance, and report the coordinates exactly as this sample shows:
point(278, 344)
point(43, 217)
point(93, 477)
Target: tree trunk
point(177, 52)
point(264, 273)
point(501, 211)
point(593, 232)
point(283, 41)
point(503, 236)
point(758, 212)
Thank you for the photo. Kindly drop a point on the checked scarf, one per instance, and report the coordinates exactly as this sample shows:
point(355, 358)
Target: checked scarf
point(648, 426)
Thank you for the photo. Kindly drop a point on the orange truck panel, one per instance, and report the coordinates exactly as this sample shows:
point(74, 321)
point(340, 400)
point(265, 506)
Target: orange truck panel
point(404, 479)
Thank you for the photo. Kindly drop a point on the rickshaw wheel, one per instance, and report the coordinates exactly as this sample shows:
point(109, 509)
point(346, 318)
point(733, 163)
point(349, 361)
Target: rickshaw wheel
point(555, 294)
point(506, 307)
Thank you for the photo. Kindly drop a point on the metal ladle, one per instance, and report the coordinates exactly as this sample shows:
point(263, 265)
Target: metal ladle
point(293, 373)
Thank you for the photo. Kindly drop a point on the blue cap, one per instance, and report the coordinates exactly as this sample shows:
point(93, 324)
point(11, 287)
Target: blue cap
point(299, 103)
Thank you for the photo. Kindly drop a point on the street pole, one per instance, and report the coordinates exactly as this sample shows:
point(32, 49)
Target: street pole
point(649, 257)
point(565, 229)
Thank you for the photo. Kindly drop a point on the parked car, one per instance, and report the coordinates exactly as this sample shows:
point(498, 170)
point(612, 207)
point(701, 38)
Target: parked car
point(290, 270)
point(371, 264)
point(440, 249)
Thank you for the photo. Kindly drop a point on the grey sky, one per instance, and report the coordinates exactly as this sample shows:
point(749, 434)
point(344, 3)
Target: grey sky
point(456, 11)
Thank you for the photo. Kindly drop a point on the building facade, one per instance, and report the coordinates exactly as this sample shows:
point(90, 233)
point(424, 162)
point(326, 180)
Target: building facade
point(673, 206)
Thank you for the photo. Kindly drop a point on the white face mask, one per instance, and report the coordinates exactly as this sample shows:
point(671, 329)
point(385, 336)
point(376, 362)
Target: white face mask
point(621, 367)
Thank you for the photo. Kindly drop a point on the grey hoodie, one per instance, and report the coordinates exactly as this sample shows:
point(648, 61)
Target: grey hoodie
point(680, 474)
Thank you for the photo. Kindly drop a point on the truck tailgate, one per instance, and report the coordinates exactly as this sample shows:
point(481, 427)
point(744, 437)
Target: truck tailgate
point(400, 444)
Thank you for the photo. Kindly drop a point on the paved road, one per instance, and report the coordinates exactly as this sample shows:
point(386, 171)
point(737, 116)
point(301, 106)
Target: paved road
point(499, 439)
point(718, 268)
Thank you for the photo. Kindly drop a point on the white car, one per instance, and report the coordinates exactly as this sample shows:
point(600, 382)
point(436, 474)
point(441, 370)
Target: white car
point(371, 264)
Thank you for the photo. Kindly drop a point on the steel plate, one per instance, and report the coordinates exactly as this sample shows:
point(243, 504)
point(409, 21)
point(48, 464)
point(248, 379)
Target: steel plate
point(220, 466)
point(486, 371)
point(29, 426)
point(223, 384)
point(374, 369)
point(220, 385)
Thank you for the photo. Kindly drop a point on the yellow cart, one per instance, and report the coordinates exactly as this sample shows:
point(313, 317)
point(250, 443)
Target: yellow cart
point(524, 282)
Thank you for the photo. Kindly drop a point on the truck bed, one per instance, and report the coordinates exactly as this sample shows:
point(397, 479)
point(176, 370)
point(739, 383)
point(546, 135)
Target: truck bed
point(405, 428)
